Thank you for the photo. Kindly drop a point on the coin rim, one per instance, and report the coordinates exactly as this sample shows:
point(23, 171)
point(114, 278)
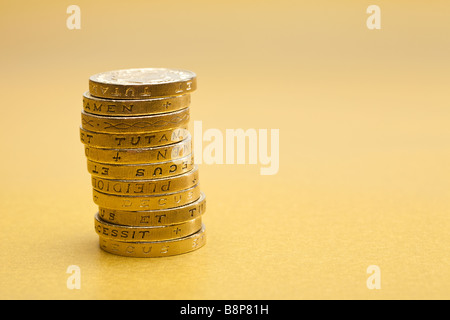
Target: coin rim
point(192, 74)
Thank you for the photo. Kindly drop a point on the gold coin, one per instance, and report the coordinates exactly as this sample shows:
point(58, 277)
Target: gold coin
point(149, 123)
point(132, 140)
point(155, 217)
point(141, 171)
point(146, 187)
point(142, 83)
point(109, 107)
point(155, 248)
point(153, 202)
point(142, 155)
point(153, 233)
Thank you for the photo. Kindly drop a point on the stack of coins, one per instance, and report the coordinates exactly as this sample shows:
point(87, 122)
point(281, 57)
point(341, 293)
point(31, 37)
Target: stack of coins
point(139, 154)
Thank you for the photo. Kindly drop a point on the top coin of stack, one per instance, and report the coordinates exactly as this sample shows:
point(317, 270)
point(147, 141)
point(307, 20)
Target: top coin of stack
point(139, 152)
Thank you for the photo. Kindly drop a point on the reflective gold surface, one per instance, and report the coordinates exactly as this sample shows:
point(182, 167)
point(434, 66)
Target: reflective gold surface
point(133, 140)
point(156, 248)
point(110, 107)
point(171, 152)
point(142, 83)
point(135, 124)
point(151, 202)
point(146, 187)
point(141, 171)
point(155, 217)
point(153, 233)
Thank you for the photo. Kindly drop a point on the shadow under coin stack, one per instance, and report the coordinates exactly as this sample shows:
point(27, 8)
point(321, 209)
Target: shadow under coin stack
point(139, 154)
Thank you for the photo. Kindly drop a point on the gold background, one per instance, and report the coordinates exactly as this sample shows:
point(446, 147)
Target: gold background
point(364, 147)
